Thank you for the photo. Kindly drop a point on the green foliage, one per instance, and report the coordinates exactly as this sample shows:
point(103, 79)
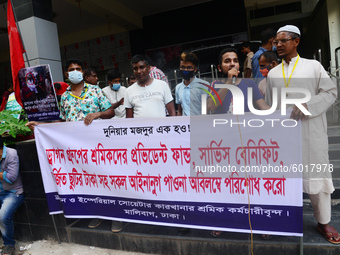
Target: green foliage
point(10, 125)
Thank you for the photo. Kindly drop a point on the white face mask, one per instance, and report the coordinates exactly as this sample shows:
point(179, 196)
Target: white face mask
point(75, 77)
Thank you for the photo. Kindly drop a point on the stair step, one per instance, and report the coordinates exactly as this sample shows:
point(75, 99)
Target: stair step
point(168, 240)
point(334, 151)
point(333, 134)
point(336, 168)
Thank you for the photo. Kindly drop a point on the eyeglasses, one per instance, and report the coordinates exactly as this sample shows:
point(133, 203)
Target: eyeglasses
point(282, 41)
point(187, 68)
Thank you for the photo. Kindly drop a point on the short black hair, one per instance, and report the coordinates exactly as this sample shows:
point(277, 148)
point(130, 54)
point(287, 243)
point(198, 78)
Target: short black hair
point(270, 56)
point(113, 74)
point(224, 51)
point(267, 34)
point(73, 61)
point(88, 71)
point(189, 56)
point(1, 143)
point(149, 60)
point(245, 44)
point(131, 77)
point(139, 57)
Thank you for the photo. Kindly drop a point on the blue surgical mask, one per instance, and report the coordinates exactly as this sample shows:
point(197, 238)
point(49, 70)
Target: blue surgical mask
point(115, 86)
point(75, 77)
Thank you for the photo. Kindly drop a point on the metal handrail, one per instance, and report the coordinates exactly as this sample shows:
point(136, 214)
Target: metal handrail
point(317, 55)
point(336, 75)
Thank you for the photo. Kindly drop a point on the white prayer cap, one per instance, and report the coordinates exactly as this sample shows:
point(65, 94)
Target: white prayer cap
point(289, 28)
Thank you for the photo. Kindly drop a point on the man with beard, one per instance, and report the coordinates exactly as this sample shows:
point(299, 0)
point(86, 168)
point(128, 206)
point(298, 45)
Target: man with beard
point(228, 66)
point(188, 92)
point(297, 72)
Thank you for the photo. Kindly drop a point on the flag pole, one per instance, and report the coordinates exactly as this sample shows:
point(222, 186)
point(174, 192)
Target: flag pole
point(22, 41)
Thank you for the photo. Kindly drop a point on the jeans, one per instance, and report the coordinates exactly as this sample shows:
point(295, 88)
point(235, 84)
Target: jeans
point(9, 203)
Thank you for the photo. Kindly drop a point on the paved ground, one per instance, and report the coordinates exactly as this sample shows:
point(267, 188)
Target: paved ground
point(46, 247)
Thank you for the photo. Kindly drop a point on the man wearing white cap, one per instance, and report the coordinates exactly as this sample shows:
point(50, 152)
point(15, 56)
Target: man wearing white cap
point(297, 72)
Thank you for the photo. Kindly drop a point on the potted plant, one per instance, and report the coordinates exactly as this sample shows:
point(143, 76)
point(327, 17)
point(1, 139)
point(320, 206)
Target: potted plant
point(12, 127)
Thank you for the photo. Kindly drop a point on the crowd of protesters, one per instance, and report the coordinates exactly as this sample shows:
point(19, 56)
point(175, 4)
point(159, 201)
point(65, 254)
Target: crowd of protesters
point(276, 64)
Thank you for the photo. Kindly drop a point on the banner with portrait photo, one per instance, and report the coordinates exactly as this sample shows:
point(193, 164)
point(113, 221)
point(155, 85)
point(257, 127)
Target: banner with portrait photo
point(143, 171)
point(37, 93)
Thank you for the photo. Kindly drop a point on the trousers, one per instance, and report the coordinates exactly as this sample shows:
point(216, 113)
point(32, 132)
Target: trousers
point(321, 203)
point(9, 203)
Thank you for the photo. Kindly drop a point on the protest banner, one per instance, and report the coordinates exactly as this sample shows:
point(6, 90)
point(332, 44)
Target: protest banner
point(152, 171)
point(37, 93)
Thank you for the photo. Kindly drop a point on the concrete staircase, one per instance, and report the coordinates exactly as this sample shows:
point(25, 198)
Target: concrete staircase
point(334, 149)
point(334, 157)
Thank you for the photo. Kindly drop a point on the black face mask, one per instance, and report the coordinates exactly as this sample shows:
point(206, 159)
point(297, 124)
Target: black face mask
point(187, 75)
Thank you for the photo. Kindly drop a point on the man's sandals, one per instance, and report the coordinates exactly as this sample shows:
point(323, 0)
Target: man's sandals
point(329, 233)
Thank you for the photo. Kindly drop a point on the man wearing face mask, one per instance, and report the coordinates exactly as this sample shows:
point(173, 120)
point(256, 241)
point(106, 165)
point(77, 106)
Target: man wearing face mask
point(188, 92)
point(267, 37)
point(81, 101)
point(115, 92)
point(267, 61)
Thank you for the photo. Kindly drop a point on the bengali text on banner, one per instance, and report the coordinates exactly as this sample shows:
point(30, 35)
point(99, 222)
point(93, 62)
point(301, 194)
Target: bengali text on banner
point(175, 171)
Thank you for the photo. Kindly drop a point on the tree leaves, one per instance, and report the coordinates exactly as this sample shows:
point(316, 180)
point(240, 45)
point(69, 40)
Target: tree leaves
point(10, 125)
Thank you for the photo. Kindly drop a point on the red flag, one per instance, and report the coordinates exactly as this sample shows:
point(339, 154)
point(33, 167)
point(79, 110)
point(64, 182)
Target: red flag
point(16, 51)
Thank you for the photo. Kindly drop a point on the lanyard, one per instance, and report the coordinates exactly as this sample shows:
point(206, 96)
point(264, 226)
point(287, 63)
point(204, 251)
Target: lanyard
point(80, 97)
point(283, 72)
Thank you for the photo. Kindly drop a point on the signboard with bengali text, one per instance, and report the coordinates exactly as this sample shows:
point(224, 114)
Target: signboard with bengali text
point(146, 171)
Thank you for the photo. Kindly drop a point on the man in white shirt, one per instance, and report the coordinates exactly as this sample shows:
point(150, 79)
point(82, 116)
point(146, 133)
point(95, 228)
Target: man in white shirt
point(147, 97)
point(115, 92)
point(308, 74)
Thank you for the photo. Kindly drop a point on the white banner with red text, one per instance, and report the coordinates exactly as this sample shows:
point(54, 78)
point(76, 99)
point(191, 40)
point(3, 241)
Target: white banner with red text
point(177, 171)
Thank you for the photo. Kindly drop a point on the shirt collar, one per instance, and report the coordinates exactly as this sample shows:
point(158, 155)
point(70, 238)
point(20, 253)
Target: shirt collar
point(193, 81)
point(292, 60)
point(4, 152)
point(86, 85)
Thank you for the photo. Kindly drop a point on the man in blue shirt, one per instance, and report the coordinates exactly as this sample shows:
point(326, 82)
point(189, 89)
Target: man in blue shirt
point(189, 91)
point(267, 37)
point(11, 195)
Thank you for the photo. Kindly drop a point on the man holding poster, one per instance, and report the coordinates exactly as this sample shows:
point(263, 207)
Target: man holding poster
point(82, 101)
point(37, 94)
point(308, 74)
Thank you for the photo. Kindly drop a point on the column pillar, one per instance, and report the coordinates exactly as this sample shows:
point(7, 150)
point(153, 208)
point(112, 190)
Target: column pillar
point(39, 34)
point(333, 10)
